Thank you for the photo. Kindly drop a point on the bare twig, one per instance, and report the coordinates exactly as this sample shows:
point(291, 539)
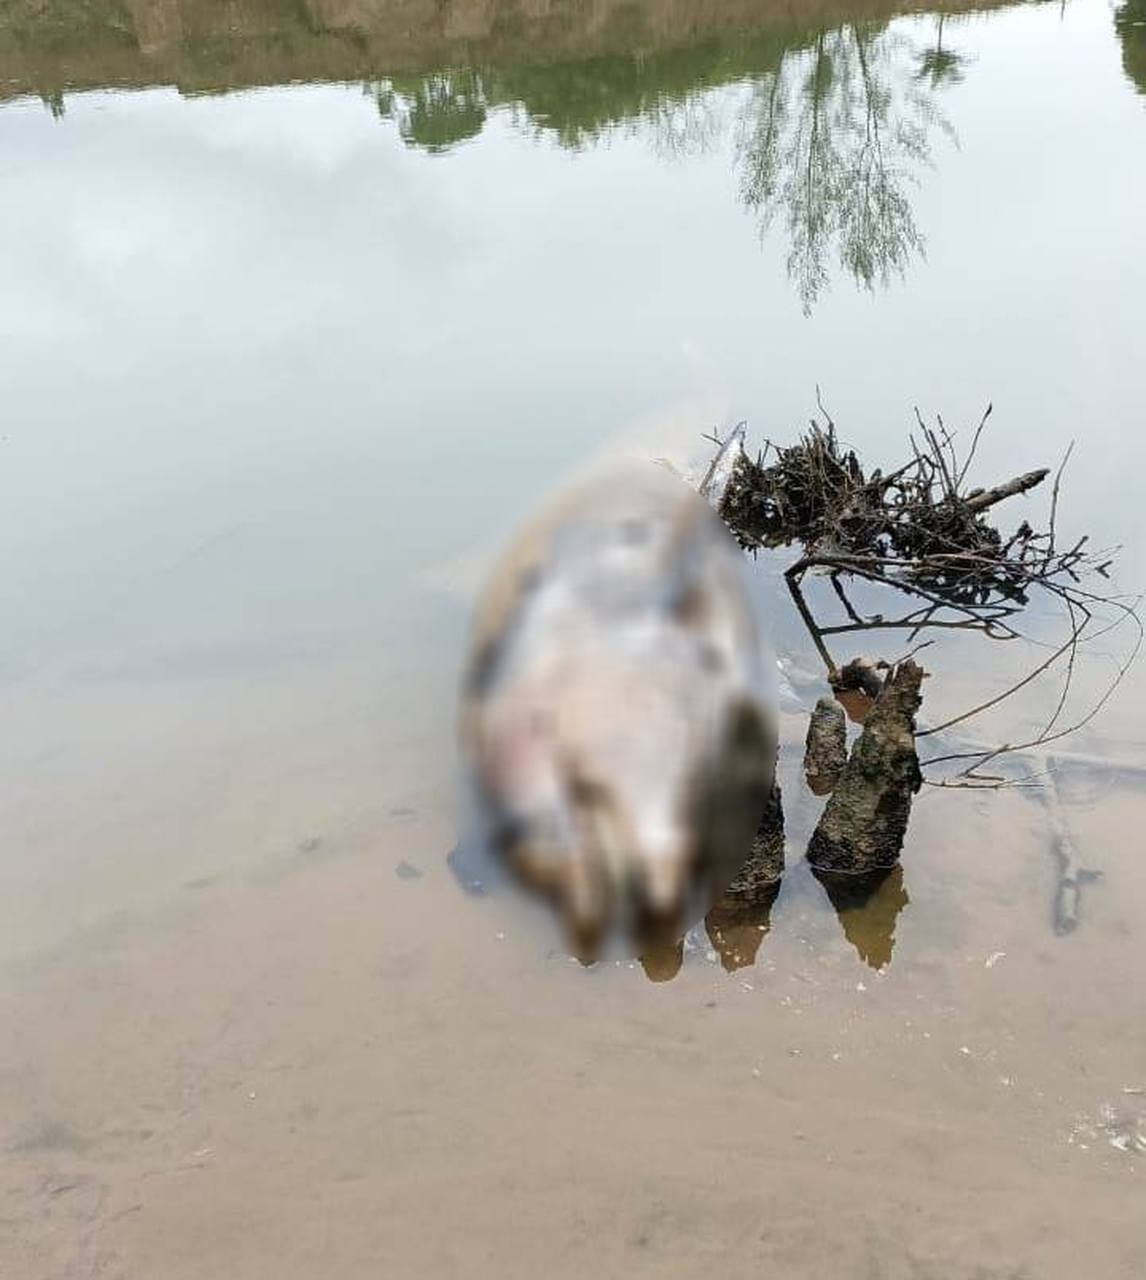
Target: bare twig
point(974, 445)
point(1054, 496)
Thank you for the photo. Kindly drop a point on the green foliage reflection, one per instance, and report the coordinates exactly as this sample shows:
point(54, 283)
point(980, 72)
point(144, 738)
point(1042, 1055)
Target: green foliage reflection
point(1130, 23)
point(832, 144)
point(831, 128)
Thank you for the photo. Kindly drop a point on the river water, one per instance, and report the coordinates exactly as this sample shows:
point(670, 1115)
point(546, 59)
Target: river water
point(304, 307)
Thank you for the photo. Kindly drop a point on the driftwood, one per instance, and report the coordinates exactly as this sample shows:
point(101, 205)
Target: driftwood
point(980, 499)
point(864, 822)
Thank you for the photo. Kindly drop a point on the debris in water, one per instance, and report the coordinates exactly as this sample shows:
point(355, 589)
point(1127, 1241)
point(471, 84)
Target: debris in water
point(919, 532)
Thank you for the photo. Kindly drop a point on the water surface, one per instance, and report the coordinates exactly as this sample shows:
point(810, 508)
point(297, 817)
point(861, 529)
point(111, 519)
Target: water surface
point(303, 309)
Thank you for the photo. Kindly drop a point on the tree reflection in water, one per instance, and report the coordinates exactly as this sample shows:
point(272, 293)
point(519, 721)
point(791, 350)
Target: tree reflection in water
point(828, 139)
point(1130, 24)
point(436, 111)
point(832, 142)
point(938, 64)
point(867, 906)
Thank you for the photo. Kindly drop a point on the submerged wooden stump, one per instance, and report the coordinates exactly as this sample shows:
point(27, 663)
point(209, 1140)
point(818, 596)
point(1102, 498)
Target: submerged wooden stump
point(764, 865)
point(865, 820)
point(826, 747)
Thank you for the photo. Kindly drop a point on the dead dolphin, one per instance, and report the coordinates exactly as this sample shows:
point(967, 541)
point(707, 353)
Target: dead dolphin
point(617, 715)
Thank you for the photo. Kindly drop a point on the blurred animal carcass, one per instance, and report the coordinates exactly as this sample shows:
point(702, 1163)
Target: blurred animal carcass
point(617, 719)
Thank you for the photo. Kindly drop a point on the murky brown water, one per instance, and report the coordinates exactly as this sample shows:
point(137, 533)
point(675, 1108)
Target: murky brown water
point(281, 363)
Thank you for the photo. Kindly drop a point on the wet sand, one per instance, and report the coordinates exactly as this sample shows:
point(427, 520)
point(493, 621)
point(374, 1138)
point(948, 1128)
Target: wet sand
point(305, 1063)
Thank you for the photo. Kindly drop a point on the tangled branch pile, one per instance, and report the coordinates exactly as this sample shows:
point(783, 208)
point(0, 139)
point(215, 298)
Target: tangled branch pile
point(918, 524)
point(921, 531)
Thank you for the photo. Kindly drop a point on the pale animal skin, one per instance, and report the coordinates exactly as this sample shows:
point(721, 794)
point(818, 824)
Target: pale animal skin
point(617, 713)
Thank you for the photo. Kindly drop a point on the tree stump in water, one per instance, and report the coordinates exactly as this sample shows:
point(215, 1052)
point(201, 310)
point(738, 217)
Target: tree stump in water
point(765, 863)
point(865, 820)
point(826, 747)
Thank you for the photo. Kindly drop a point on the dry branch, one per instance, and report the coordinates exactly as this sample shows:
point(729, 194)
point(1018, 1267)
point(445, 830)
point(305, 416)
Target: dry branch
point(980, 501)
point(918, 532)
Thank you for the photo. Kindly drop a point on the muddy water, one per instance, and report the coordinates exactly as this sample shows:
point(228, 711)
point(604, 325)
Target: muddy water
point(280, 366)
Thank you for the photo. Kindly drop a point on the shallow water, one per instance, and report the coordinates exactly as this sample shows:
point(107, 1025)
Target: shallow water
point(296, 325)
